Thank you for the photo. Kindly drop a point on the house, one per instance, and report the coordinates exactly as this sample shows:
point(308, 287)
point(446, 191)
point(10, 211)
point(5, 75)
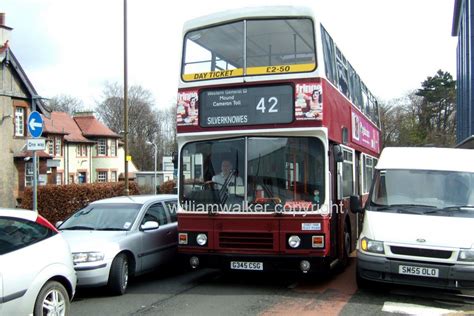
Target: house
point(83, 149)
point(18, 98)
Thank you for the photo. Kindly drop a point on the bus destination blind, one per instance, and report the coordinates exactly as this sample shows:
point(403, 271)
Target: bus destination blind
point(246, 106)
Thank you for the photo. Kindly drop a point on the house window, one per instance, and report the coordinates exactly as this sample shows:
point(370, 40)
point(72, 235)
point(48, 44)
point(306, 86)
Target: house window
point(19, 121)
point(57, 146)
point(113, 148)
point(29, 174)
point(59, 178)
point(71, 178)
point(102, 176)
point(102, 147)
point(113, 176)
point(50, 142)
point(81, 150)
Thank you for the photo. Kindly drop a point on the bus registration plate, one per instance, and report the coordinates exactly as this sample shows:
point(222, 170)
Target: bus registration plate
point(242, 265)
point(418, 271)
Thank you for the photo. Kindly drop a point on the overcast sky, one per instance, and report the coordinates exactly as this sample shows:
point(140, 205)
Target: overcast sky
point(74, 47)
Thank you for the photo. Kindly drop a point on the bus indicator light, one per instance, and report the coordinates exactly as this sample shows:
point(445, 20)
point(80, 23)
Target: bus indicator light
point(183, 238)
point(318, 241)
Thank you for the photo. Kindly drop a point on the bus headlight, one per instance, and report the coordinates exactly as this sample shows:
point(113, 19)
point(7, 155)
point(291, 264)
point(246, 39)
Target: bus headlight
point(370, 245)
point(201, 239)
point(294, 241)
point(466, 255)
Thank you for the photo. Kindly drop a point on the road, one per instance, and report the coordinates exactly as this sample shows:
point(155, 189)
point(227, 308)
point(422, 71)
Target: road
point(211, 292)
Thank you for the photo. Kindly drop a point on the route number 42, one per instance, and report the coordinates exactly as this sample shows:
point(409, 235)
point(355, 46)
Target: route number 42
point(271, 104)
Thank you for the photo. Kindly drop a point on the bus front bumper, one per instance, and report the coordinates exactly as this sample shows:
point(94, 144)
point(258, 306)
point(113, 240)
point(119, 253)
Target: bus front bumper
point(259, 263)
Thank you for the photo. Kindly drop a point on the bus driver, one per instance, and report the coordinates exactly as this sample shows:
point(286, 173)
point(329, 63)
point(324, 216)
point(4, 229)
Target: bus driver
point(226, 169)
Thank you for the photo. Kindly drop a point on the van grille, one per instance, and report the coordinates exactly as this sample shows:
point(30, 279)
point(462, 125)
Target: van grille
point(421, 252)
point(239, 240)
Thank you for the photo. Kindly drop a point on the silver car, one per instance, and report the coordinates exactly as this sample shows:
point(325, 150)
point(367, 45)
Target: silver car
point(115, 238)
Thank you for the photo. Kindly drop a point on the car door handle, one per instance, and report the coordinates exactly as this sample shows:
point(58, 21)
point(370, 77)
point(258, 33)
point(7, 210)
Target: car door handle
point(168, 233)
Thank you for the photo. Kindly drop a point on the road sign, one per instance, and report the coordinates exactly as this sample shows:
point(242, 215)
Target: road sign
point(36, 144)
point(35, 124)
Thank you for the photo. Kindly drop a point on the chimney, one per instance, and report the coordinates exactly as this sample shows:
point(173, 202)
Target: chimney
point(4, 30)
point(83, 114)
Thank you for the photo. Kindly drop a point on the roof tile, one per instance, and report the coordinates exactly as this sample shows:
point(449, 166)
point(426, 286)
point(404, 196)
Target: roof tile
point(91, 127)
point(62, 123)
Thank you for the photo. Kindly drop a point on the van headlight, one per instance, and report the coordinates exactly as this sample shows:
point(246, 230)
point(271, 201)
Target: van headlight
point(82, 257)
point(466, 255)
point(370, 245)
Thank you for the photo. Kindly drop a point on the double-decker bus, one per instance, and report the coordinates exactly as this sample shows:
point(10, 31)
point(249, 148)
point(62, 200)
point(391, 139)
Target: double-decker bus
point(275, 132)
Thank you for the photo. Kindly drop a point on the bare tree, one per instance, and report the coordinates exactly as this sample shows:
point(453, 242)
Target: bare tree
point(65, 103)
point(145, 123)
point(142, 119)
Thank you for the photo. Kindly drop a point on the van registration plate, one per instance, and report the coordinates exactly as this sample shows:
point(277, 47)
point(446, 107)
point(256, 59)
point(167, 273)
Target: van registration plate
point(418, 271)
point(243, 265)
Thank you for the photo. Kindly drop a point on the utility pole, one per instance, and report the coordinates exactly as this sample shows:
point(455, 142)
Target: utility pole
point(125, 95)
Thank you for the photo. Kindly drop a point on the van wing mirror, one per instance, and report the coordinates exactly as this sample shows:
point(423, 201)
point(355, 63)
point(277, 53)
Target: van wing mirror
point(355, 204)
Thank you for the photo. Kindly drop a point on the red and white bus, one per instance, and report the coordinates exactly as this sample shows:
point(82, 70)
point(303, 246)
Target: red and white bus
point(275, 132)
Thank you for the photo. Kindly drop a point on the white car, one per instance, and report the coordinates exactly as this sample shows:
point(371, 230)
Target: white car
point(115, 238)
point(36, 271)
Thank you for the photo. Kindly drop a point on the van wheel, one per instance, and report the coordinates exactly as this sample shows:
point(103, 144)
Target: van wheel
point(118, 277)
point(53, 299)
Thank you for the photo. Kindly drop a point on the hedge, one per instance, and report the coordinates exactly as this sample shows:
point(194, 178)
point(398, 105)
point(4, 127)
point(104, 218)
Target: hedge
point(58, 202)
point(168, 187)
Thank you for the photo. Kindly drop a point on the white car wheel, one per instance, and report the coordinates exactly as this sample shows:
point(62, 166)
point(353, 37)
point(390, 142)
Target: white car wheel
point(52, 300)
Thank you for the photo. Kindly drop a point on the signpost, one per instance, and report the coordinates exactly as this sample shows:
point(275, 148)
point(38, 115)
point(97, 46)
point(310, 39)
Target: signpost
point(35, 128)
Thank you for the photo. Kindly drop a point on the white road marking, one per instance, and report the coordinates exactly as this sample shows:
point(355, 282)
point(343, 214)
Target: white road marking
point(413, 309)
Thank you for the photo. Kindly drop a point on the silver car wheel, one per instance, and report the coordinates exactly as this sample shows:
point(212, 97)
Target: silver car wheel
point(125, 275)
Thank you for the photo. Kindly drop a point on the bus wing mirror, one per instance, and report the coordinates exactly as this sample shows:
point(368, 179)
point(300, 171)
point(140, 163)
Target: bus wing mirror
point(338, 156)
point(355, 204)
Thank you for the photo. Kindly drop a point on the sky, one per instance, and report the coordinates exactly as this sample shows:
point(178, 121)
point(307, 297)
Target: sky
point(75, 47)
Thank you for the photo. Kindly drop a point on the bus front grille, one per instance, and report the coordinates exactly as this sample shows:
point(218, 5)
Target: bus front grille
point(247, 240)
point(421, 252)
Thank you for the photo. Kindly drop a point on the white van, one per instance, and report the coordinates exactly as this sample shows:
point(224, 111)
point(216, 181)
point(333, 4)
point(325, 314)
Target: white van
point(419, 219)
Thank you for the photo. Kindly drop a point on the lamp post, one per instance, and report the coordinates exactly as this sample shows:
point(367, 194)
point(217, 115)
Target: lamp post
point(154, 158)
point(125, 95)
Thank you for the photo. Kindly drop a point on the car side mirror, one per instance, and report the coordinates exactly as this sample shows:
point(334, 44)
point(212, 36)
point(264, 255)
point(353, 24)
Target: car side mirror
point(58, 223)
point(150, 225)
point(355, 204)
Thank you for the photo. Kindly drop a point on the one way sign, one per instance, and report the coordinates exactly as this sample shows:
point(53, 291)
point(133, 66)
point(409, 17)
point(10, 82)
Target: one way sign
point(35, 124)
